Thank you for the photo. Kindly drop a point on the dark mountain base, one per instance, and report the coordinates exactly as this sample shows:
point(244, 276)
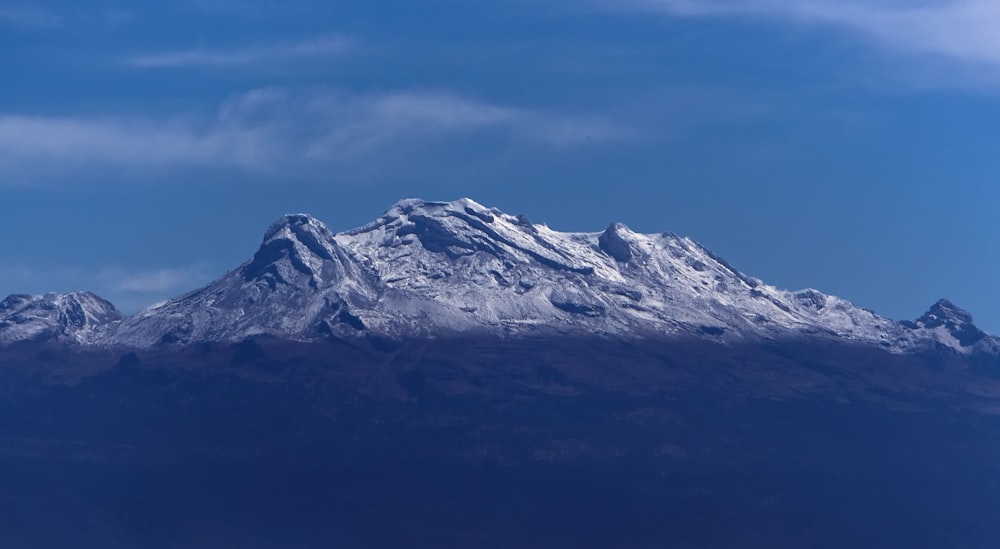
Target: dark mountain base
point(485, 443)
point(236, 503)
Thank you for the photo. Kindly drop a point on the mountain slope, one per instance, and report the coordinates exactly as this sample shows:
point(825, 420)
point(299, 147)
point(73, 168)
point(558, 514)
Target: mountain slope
point(76, 317)
point(300, 284)
point(542, 389)
point(435, 268)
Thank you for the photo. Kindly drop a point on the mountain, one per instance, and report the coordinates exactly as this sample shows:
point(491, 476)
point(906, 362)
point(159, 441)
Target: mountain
point(439, 268)
point(76, 317)
point(452, 376)
point(301, 284)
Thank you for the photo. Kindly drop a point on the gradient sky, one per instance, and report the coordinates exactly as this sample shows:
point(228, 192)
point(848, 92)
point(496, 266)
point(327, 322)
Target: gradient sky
point(145, 147)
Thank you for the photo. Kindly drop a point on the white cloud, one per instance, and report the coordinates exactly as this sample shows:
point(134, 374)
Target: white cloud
point(128, 289)
point(30, 18)
point(374, 120)
point(272, 129)
point(245, 8)
point(964, 30)
point(76, 21)
point(14, 275)
point(240, 57)
point(21, 279)
point(157, 281)
point(56, 144)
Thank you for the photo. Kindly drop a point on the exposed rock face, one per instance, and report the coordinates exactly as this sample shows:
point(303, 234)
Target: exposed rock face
point(956, 322)
point(437, 268)
point(75, 317)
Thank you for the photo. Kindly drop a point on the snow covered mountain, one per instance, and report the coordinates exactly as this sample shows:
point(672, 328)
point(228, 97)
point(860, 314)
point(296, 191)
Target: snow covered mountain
point(77, 317)
point(301, 284)
point(437, 268)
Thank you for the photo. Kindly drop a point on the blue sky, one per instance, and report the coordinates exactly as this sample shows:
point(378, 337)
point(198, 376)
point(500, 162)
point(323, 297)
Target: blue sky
point(850, 147)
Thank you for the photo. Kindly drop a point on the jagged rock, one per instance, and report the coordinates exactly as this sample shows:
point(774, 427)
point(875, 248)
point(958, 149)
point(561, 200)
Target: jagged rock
point(433, 268)
point(75, 317)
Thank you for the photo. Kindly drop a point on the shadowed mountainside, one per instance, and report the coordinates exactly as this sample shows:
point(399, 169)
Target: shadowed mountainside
point(497, 443)
point(452, 376)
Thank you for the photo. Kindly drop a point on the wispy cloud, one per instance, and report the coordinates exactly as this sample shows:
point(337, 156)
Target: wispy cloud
point(370, 121)
point(157, 281)
point(36, 140)
point(202, 57)
point(277, 129)
point(30, 18)
point(14, 275)
point(79, 20)
point(963, 30)
point(255, 9)
point(128, 289)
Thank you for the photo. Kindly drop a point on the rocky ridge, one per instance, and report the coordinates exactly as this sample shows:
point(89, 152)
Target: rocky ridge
point(426, 269)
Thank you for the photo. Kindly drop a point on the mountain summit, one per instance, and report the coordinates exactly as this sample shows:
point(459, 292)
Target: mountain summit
point(949, 320)
point(426, 269)
point(76, 317)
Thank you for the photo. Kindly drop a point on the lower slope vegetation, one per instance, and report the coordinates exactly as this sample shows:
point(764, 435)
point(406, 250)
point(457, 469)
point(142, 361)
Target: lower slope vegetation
point(489, 442)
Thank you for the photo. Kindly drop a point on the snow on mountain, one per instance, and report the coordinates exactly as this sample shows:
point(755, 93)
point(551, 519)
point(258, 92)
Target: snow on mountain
point(428, 269)
point(300, 284)
point(951, 326)
point(433, 268)
point(458, 265)
point(77, 317)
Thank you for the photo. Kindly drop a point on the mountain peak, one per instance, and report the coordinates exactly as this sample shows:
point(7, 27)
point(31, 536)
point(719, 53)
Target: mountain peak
point(418, 208)
point(432, 268)
point(298, 239)
point(70, 316)
point(408, 205)
point(957, 321)
point(946, 309)
point(615, 241)
point(296, 224)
